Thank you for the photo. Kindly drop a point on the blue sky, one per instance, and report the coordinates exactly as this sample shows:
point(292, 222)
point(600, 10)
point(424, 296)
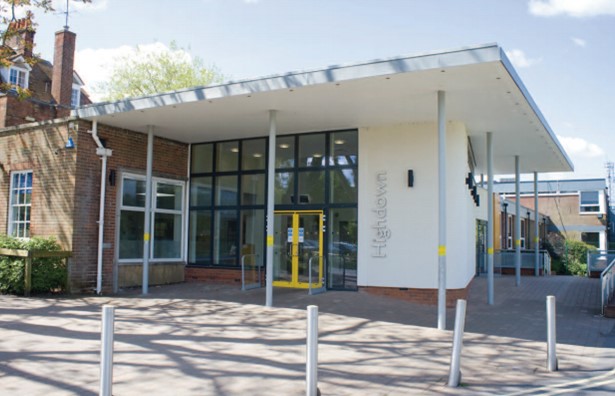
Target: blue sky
point(562, 49)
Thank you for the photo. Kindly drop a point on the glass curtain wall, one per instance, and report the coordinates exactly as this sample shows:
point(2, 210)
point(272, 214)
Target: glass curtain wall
point(315, 171)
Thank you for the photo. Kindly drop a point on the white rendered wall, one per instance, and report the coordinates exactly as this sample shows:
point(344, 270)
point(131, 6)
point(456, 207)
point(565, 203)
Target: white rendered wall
point(405, 254)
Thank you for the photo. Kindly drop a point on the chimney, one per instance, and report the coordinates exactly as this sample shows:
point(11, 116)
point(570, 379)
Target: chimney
point(63, 60)
point(22, 37)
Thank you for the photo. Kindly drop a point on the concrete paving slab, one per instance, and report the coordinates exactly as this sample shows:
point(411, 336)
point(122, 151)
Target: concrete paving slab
point(197, 339)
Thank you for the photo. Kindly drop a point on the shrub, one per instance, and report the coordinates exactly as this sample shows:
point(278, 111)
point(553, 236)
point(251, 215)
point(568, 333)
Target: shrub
point(575, 267)
point(576, 257)
point(48, 274)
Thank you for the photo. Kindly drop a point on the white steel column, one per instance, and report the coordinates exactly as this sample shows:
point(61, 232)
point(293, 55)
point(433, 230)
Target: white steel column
point(441, 210)
point(148, 207)
point(270, 206)
point(490, 218)
point(517, 224)
point(536, 228)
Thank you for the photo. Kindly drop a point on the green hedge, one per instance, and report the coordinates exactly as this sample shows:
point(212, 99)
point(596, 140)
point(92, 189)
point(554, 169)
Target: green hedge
point(48, 274)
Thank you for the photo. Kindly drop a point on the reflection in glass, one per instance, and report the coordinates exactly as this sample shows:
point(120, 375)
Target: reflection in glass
point(168, 196)
point(253, 189)
point(343, 248)
point(253, 154)
point(167, 236)
point(284, 187)
point(226, 190)
point(227, 156)
point(225, 237)
point(343, 185)
point(344, 148)
point(285, 152)
point(202, 158)
point(200, 191)
point(131, 235)
point(312, 187)
point(133, 193)
point(199, 245)
point(312, 150)
point(253, 235)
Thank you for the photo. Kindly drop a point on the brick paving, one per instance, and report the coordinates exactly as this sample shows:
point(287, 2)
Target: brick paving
point(197, 339)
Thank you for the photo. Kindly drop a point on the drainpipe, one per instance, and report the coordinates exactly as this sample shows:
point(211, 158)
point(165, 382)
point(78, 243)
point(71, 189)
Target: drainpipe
point(103, 153)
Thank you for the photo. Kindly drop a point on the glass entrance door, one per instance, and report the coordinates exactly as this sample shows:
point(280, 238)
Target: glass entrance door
point(298, 242)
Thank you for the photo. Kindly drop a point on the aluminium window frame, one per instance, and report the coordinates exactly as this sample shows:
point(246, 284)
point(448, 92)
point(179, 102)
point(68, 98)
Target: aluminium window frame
point(592, 205)
point(154, 211)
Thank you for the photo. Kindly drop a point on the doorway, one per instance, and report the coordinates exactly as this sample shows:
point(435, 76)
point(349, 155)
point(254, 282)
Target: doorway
point(298, 249)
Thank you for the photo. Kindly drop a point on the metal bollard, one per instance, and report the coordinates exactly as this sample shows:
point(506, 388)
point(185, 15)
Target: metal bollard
point(106, 350)
point(551, 335)
point(460, 319)
point(311, 364)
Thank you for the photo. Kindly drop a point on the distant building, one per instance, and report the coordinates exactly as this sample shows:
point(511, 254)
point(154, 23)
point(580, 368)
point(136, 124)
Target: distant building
point(577, 209)
point(54, 89)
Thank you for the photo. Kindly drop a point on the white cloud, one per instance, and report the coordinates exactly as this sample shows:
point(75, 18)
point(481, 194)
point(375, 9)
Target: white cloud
point(581, 148)
point(95, 65)
point(77, 5)
point(573, 8)
point(519, 59)
point(578, 41)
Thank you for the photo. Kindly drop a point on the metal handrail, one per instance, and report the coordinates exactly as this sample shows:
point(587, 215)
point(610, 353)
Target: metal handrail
point(310, 273)
point(597, 254)
point(243, 273)
point(546, 262)
point(607, 281)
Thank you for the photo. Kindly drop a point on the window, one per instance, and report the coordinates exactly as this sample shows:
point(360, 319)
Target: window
point(591, 238)
point(523, 231)
point(509, 232)
point(21, 204)
point(167, 219)
point(589, 202)
point(18, 77)
point(75, 96)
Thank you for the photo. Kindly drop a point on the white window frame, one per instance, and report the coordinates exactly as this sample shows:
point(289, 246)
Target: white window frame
point(75, 100)
point(509, 232)
point(154, 210)
point(523, 232)
point(582, 207)
point(19, 70)
point(12, 222)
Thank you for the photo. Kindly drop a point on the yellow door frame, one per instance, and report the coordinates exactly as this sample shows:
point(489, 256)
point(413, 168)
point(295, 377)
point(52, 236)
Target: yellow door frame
point(294, 283)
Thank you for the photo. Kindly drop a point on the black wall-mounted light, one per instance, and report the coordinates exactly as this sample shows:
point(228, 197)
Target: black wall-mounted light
point(410, 178)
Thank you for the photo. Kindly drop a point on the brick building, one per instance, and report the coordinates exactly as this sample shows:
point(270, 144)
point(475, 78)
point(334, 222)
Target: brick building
point(53, 88)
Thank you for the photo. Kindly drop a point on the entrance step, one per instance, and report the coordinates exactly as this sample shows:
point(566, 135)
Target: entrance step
point(609, 311)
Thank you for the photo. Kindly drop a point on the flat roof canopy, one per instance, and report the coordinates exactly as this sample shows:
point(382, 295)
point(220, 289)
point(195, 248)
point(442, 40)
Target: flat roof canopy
point(482, 90)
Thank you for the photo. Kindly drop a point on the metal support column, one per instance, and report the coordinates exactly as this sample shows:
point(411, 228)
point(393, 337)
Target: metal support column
point(441, 211)
point(517, 224)
point(490, 218)
point(148, 207)
point(270, 206)
point(536, 228)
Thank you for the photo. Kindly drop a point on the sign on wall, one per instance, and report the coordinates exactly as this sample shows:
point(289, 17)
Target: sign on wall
point(382, 233)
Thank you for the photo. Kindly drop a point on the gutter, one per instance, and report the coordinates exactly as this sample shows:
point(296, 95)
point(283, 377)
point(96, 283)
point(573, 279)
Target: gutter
point(103, 153)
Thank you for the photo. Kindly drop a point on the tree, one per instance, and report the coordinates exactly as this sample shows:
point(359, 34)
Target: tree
point(9, 31)
point(144, 73)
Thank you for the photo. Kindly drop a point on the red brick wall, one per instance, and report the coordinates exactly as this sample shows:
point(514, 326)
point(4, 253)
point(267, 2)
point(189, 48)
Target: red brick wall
point(419, 296)
point(229, 276)
point(63, 61)
point(129, 154)
point(14, 111)
point(41, 149)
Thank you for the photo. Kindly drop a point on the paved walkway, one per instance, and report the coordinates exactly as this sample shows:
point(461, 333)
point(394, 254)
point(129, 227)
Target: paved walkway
point(197, 339)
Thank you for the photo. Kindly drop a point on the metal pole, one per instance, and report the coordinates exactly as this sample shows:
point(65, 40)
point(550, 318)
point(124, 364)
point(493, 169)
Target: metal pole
point(101, 223)
point(311, 364)
point(536, 228)
point(551, 337)
point(106, 350)
point(148, 207)
point(270, 206)
point(517, 224)
point(454, 376)
point(490, 218)
point(441, 211)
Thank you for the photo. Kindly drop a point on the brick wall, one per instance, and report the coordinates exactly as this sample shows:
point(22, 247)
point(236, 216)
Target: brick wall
point(419, 296)
point(229, 276)
point(14, 111)
point(129, 154)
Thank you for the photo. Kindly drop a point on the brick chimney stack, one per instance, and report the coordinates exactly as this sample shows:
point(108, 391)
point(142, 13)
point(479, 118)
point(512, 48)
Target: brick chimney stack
point(22, 38)
point(63, 62)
